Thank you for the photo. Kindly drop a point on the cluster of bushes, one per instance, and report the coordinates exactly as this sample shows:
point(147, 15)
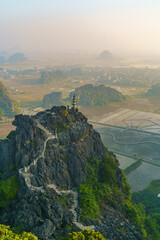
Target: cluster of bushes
point(148, 197)
point(7, 234)
point(85, 235)
point(8, 190)
point(101, 186)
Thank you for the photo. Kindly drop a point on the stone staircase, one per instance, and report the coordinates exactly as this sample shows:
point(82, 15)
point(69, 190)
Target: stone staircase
point(27, 178)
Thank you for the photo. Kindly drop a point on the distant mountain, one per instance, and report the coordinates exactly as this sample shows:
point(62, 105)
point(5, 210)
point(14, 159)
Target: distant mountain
point(154, 91)
point(47, 77)
point(2, 60)
point(89, 95)
point(17, 57)
point(52, 99)
point(8, 107)
point(106, 55)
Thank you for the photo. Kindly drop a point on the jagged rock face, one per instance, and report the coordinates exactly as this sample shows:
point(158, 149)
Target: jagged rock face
point(50, 152)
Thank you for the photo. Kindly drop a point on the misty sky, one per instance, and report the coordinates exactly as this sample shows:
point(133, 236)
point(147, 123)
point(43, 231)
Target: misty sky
point(120, 26)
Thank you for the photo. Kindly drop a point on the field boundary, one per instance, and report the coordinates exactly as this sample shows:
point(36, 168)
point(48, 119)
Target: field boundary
point(133, 166)
point(142, 159)
point(124, 128)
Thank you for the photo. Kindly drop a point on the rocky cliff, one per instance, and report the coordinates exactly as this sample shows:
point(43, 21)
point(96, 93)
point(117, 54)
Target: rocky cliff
point(8, 107)
point(90, 95)
point(52, 99)
point(52, 154)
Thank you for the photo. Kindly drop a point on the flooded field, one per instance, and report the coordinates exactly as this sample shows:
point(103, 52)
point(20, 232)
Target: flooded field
point(144, 121)
point(132, 142)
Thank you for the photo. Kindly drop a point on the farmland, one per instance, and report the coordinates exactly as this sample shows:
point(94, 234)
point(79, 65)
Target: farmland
point(141, 177)
point(136, 135)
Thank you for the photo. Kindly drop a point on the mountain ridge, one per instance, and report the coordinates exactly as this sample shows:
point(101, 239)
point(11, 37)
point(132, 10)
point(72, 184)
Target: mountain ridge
point(59, 159)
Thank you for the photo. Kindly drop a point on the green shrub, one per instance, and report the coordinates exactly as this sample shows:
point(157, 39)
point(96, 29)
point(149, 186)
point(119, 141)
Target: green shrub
point(8, 190)
point(152, 225)
point(136, 212)
point(7, 234)
point(85, 235)
point(126, 188)
point(88, 202)
point(97, 186)
point(107, 170)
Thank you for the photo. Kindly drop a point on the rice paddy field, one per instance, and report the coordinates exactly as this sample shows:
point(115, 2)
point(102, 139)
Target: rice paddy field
point(143, 145)
point(128, 118)
point(124, 161)
point(136, 134)
point(141, 177)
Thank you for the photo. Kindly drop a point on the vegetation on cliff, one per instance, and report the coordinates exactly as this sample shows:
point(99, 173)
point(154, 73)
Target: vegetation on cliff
point(8, 190)
point(148, 197)
point(97, 186)
point(101, 187)
point(8, 107)
point(85, 235)
point(7, 234)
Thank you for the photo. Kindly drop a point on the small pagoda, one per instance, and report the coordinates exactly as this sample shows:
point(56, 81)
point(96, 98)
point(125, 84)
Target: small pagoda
point(74, 103)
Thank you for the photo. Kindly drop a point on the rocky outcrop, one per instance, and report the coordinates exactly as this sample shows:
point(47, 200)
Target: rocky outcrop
point(52, 99)
point(90, 95)
point(8, 107)
point(50, 152)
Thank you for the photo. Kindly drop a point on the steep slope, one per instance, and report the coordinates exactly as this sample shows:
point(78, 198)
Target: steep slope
point(8, 107)
point(67, 179)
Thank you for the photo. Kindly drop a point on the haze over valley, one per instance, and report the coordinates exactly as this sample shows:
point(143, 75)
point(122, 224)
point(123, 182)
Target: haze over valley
point(80, 120)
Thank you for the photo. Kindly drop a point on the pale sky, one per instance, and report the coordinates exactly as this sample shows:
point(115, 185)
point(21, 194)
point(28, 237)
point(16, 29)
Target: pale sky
point(120, 26)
